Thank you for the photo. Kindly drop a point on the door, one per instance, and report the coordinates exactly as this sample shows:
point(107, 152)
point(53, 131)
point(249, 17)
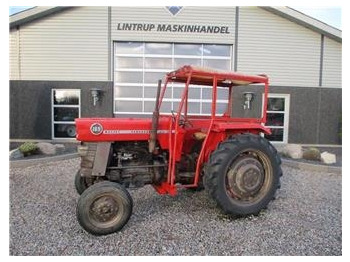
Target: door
point(278, 117)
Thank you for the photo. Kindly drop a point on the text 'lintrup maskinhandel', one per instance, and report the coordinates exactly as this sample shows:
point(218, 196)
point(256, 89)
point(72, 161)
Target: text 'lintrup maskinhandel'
point(207, 29)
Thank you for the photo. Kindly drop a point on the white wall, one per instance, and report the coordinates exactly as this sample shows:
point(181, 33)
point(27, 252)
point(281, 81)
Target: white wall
point(288, 53)
point(69, 45)
point(332, 63)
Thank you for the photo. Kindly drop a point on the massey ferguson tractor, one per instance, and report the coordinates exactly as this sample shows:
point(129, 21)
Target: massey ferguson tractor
point(227, 156)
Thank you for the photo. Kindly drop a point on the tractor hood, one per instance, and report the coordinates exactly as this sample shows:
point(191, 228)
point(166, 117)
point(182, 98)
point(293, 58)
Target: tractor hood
point(118, 129)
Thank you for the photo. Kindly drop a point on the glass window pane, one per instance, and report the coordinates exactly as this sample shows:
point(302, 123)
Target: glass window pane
point(179, 62)
point(277, 135)
point(129, 48)
point(176, 106)
point(216, 50)
point(275, 119)
point(165, 107)
point(194, 93)
point(153, 77)
point(128, 77)
point(188, 49)
point(178, 92)
point(128, 91)
point(128, 62)
point(221, 108)
point(158, 63)
point(128, 106)
point(206, 108)
point(222, 93)
point(65, 113)
point(64, 130)
point(275, 104)
point(206, 93)
point(66, 97)
point(193, 108)
point(217, 64)
point(151, 92)
point(158, 48)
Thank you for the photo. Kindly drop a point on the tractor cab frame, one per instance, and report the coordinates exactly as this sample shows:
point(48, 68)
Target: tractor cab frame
point(211, 129)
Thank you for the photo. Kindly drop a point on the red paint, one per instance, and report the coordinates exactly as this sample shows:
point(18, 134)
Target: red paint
point(176, 138)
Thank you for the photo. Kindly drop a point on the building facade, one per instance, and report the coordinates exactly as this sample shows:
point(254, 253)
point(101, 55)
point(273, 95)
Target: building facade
point(61, 56)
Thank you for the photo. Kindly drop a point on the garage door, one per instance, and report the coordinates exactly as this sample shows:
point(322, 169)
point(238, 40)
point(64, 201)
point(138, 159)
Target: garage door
point(139, 65)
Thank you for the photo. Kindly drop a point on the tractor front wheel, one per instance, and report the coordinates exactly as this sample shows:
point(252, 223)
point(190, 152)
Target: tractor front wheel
point(104, 208)
point(80, 183)
point(243, 174)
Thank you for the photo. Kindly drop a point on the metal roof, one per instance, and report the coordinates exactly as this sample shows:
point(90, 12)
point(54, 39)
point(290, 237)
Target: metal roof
point(285, 12)
point(205, 76)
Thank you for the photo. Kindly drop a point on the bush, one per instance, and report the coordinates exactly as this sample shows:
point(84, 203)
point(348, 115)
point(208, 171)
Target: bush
point(28, 148)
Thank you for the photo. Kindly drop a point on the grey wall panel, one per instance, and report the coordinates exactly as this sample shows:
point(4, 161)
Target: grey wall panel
point(303, 116)
point(330, 115)
point(30, 105)
point(314, 114)
point(30, 110)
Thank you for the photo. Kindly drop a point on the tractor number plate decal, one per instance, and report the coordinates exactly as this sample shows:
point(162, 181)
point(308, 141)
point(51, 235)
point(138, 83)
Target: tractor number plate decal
point(135, 132)
point(96, 129)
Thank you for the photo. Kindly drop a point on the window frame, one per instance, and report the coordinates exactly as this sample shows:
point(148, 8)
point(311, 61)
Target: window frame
point(53, 106)
point(285, 126)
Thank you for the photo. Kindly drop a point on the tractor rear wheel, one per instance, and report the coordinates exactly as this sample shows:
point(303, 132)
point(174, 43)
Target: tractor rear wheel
point(104, 208)
point(243, 174)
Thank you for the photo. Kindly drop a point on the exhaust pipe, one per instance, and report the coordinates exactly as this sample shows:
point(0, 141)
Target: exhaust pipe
point(155, 117)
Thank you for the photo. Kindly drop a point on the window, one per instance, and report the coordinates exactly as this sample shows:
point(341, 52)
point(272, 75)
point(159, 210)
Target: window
point(139, 65)
point(278, 117)
point(65, 108)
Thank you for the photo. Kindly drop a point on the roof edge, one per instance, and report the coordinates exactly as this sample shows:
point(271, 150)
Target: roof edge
point(33, 14)
point(306, 21)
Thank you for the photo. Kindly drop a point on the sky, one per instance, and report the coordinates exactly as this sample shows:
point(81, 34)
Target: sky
point(328, 15)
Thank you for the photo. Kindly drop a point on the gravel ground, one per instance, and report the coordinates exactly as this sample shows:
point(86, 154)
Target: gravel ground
point(305, 219)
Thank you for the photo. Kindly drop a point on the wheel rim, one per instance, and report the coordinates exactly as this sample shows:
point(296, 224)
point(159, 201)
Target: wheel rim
point(71, 131)
point(106, 210)
point(248, 177)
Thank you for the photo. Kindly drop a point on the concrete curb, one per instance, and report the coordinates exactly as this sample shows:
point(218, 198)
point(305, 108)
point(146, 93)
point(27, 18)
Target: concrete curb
point(311, 167)
point(37, 161)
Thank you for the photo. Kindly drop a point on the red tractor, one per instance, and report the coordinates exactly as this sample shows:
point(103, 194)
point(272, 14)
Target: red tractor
point(227, 156)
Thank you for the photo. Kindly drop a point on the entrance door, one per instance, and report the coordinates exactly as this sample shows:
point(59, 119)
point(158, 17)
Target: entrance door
point(278, 117)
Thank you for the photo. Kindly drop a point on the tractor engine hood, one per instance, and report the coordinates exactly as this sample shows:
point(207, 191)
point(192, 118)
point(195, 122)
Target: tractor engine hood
point(118, 129)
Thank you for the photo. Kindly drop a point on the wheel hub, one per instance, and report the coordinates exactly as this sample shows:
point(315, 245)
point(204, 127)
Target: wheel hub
point(246, 177)
point(104, 209)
